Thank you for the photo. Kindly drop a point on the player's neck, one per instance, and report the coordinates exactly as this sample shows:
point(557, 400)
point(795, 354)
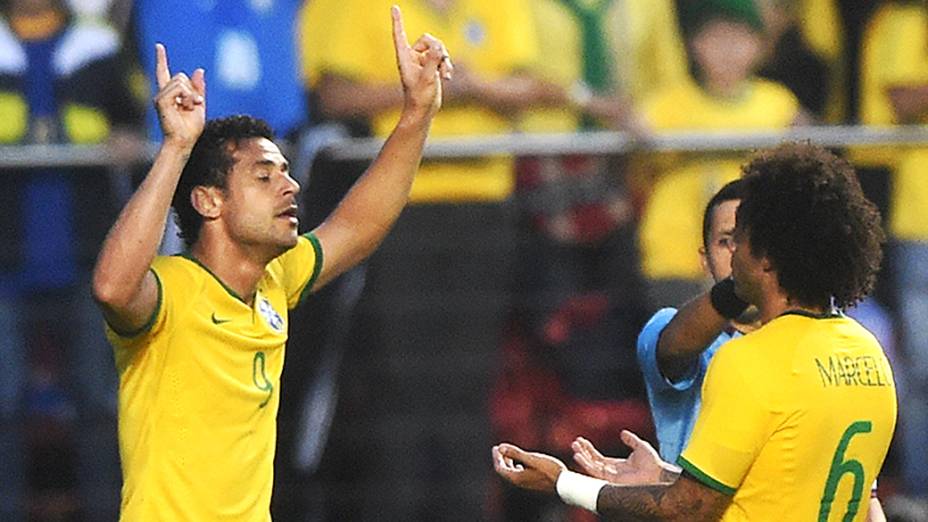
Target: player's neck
point(771, 303)
point(239, 268)
point(748, 321)
point(777, 304)
point(806, 309)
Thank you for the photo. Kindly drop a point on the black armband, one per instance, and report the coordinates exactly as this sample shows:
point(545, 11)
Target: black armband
point(724, 300)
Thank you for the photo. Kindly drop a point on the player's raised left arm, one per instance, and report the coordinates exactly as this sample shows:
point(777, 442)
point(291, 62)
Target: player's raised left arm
point(363, 218)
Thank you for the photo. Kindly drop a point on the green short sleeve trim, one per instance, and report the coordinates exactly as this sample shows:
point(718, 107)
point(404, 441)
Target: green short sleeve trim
point(704, 478)
point(145, 328)
point(317, 268)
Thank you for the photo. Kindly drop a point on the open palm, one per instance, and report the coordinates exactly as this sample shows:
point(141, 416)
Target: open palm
point(643, 465)
point(525, 469)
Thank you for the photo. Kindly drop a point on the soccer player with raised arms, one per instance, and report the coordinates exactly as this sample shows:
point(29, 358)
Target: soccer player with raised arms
point(797, 416)
point(199, 338)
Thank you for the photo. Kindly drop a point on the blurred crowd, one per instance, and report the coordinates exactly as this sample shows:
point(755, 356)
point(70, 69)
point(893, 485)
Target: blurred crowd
point(506, 302)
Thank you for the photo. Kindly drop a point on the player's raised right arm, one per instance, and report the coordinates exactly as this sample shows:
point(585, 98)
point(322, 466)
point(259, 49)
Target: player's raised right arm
point(688, 334)
point(122, 283)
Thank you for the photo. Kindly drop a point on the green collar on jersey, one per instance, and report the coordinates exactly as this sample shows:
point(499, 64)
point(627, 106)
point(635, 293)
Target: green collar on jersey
point(834, 313)
point(189, 256)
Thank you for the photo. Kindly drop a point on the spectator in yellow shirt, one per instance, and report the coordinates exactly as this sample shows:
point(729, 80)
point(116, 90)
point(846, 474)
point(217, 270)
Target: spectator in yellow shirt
point(726, 95)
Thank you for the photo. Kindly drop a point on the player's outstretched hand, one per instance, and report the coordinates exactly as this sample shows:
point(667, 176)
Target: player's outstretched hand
point(527, 470)
point(643, 465)
point(422, 67)
point(180, 102)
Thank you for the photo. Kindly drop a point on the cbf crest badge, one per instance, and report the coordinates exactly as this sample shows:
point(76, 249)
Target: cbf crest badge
point(270, 315)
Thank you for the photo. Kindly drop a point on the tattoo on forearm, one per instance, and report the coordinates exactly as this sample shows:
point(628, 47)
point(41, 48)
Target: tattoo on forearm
point(641, 503)
point(677, 502)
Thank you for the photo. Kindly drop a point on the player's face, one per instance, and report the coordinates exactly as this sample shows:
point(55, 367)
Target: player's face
point(746, 269)
point(721, 243)
point(260, 207)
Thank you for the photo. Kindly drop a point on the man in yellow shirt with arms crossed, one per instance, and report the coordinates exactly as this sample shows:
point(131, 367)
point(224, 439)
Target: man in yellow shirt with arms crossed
point(797, 416)
point(199, 338)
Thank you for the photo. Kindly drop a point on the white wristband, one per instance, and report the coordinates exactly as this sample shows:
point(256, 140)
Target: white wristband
point(579, 490)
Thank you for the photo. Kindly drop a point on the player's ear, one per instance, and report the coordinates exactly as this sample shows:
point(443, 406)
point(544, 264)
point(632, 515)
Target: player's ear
point(207, 201)
point(704, 260)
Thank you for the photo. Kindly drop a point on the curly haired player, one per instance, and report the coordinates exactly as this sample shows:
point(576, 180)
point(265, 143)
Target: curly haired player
point(797, 416)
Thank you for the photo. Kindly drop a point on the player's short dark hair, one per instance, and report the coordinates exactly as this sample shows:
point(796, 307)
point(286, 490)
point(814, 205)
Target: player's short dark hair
point(209, 164)
point(803, 208)
point(732, 190)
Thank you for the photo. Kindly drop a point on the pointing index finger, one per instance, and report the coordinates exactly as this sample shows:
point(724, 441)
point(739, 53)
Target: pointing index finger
point(400, 42)
point(161, 66)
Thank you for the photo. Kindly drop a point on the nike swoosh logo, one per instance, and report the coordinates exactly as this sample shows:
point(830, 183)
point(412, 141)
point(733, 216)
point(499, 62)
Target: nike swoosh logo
point(216, 320)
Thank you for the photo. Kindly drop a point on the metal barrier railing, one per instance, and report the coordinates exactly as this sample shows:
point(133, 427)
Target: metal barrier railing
point(621, 142)
point(48, 156)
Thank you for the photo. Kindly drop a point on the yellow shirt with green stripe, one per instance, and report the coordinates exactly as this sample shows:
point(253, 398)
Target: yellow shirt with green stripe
point(796, 420)
point(199, 391)
point(643, 42)
point(493, 38)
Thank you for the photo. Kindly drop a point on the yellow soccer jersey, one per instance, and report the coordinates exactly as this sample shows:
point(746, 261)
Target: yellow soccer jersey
point(796, 420)
point(199, 390)
point(491, 38)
